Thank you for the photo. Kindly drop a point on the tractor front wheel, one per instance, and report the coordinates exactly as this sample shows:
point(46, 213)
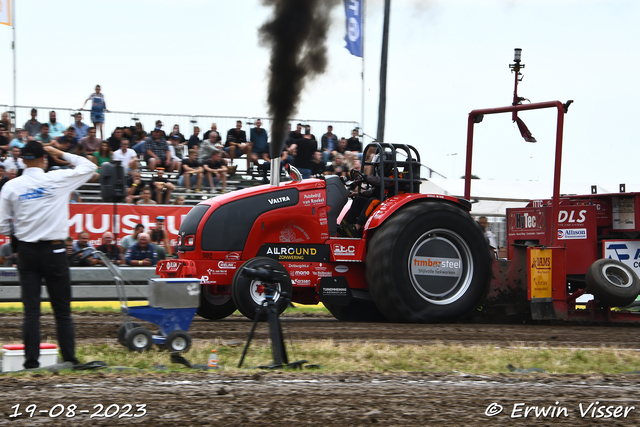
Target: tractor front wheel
point(429, 262)
point(249, 292)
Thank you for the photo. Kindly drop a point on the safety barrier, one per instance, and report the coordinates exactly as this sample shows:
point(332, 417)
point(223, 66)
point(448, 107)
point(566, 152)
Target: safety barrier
point(87, 284)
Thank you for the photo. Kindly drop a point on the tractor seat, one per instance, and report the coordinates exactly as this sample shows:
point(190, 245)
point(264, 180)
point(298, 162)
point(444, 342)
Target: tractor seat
point(337, 197)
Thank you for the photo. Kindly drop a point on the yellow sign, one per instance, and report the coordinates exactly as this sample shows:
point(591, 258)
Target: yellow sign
point(5, 12)
point(540, 273)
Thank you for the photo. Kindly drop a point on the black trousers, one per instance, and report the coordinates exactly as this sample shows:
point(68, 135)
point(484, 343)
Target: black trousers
point(49, 261)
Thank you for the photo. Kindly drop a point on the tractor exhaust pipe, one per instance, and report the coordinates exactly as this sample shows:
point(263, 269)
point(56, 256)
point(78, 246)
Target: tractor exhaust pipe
point(275, 171)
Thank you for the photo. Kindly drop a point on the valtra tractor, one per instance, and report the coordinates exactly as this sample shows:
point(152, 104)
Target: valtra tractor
point(418, 258)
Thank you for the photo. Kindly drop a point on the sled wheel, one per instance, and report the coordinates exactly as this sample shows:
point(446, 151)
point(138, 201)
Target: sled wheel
point(612, 282)
point(429, 262)
point(356, 311)
point(139, 339)
point(179, 341)
point(215, 306)
point(122, 331)
point(248, 293)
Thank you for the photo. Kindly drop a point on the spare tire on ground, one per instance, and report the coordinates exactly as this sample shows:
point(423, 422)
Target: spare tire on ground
point(612, 282)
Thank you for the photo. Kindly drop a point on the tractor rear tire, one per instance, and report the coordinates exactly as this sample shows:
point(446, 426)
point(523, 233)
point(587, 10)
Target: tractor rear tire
point(356, 311)
point(429, 262)
point(612, 282)
point(215, 306)
point(246, 290)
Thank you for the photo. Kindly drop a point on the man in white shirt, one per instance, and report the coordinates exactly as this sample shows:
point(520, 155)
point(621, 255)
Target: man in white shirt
point(35, 209)
point(14, 162)
point(127, 156)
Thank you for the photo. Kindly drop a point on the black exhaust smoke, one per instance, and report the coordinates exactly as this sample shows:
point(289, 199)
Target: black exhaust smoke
point(296, 35)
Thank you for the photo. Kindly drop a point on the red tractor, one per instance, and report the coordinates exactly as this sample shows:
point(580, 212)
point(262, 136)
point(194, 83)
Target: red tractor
point(418, 258)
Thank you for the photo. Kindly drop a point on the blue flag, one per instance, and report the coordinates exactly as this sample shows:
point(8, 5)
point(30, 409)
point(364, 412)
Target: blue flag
point(354, 26)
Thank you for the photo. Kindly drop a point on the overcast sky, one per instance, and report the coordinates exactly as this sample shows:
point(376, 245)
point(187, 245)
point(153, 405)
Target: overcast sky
point(446, 58)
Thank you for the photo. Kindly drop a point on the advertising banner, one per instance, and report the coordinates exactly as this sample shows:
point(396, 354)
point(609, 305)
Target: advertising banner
point(96, 219)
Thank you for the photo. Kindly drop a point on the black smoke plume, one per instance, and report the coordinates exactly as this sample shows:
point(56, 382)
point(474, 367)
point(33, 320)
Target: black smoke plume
point(296, 34)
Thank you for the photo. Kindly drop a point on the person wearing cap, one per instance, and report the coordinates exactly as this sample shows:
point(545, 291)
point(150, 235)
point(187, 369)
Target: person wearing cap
point(159, 126)
point(35, 209)
point(20, 140)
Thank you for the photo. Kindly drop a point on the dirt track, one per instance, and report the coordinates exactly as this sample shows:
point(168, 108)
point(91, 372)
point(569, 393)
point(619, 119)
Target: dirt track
point(276, 398)
point(96, 326)
point(350, 399)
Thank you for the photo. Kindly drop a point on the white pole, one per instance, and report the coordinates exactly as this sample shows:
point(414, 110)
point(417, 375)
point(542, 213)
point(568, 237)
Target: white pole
point(13, 46)
point(362, 10)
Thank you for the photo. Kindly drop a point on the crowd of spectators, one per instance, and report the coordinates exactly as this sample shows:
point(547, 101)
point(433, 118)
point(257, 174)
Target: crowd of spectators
point(139, 248)
point(196, 162)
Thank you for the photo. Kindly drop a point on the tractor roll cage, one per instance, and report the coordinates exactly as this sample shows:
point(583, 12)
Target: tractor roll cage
point(411, 166)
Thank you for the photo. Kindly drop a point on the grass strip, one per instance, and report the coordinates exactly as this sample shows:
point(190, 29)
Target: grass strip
point(334, 357)
point(114, 306)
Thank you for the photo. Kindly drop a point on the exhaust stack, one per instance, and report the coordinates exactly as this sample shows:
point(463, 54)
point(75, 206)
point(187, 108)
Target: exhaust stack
point(275, 171)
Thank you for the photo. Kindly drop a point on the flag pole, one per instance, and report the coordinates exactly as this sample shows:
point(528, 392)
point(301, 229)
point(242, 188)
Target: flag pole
point(12, 11)
point(363, 84)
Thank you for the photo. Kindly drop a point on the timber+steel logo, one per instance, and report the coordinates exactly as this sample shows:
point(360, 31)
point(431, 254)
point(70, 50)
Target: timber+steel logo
point(37, 193)
point(432, 266)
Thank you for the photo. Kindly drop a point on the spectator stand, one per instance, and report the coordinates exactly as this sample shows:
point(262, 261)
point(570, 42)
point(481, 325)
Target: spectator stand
point(242, 178)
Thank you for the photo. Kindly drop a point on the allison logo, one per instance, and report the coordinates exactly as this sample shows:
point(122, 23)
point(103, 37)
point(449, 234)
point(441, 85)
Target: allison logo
point(572, 233)
point(279, 200)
